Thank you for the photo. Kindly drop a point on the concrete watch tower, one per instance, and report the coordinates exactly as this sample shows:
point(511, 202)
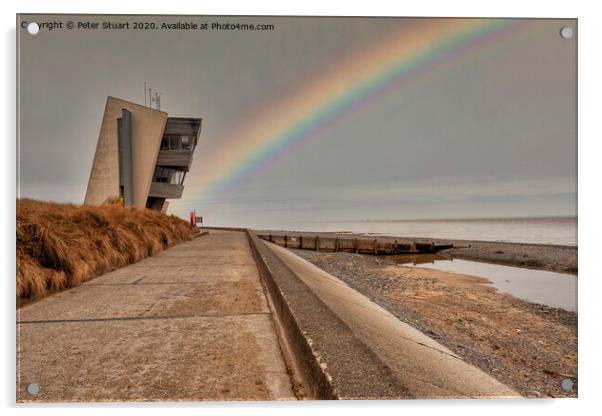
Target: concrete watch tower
point(142, 155)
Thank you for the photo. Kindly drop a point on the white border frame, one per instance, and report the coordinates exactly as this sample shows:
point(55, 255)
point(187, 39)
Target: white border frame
point(589, 153)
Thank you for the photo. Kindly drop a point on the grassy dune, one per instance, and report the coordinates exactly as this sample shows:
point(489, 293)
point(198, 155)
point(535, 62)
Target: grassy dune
point(63, 245)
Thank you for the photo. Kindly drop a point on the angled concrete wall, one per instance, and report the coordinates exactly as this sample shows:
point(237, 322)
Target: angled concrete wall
point(147, 131)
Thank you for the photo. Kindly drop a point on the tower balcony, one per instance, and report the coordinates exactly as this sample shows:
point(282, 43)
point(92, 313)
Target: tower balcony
point(175, 158)
point(165, 190)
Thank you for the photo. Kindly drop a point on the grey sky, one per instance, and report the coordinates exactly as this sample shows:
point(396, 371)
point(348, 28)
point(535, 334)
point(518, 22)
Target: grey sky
point(489, 134)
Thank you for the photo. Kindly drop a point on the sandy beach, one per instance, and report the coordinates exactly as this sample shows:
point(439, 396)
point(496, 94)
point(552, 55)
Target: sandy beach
point(528, 346)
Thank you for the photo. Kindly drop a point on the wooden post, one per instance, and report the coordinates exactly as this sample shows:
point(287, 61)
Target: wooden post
point(375, 245)
point(356, 245)
point(301, 242)
point(270, 238)
point(285, 241)
point(395, 248)
point(317, 240)
point(336, 244)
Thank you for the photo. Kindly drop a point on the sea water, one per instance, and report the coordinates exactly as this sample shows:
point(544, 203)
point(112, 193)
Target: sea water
point(537, 230)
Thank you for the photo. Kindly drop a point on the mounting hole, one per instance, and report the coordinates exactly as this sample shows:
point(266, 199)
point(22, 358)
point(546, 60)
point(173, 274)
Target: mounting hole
point(33, 28)
point(566, 384)
point(32, 389)
point(566, 32)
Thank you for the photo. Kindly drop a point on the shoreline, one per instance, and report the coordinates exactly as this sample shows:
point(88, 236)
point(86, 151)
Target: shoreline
point(549, 257)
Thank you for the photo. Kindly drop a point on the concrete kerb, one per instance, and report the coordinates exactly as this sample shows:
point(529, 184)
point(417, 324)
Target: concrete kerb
point(333, 362)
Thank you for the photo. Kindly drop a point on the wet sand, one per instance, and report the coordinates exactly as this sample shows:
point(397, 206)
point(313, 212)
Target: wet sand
point(561, 259)
point(527, 346)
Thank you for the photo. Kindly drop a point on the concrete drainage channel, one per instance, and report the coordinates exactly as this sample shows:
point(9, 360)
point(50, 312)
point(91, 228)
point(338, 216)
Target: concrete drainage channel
point(325, 351)
point(343, 346)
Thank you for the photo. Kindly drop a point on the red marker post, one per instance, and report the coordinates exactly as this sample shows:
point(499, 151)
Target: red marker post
point(192, 219)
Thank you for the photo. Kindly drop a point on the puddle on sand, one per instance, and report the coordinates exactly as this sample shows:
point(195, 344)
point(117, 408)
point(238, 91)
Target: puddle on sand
point(549, 288)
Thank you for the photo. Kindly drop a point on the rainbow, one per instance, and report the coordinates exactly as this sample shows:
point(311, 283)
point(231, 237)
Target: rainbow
point(417, 49)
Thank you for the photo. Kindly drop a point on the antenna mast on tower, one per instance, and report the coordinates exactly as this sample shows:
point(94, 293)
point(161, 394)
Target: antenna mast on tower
point(149, 99)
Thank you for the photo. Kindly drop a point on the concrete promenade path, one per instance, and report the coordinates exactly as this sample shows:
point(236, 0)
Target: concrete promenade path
point(191, 323)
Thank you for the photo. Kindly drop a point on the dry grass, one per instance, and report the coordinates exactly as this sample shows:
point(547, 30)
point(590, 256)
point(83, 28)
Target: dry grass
point(63, 245)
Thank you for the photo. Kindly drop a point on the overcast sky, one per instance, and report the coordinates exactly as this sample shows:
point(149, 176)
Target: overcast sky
point(490, 134)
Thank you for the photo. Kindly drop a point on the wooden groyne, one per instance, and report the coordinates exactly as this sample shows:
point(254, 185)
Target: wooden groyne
point(353, 245)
